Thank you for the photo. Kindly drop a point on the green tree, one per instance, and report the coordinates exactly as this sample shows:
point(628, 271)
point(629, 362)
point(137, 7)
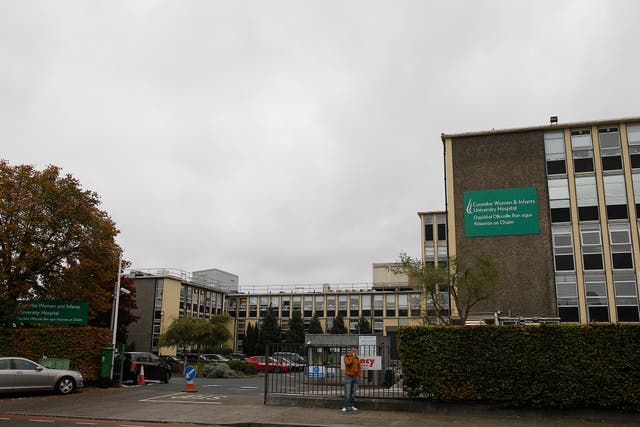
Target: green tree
point(338, 325)
point(55, 242)
point(315, 327)
point(270, 332)
point(364, 326)
point(469, 278)
point(181, 333)
point(295, 334)
point(250, 340)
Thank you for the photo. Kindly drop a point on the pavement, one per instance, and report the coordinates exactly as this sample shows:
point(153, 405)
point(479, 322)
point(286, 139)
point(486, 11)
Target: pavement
point(212, 407)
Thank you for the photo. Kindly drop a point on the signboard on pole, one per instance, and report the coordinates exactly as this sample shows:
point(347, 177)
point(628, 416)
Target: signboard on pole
point(53, 312)
point(367, 345)
point(502, 212)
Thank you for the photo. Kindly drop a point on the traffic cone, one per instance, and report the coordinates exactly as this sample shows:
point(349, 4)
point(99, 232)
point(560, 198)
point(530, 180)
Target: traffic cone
point(190, 387)
point(141, 377)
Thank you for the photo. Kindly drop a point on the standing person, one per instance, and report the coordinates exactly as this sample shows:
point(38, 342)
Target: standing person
point(352, 372)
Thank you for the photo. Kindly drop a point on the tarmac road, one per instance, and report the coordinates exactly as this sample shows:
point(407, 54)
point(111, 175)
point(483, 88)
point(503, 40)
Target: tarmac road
point(239, 402)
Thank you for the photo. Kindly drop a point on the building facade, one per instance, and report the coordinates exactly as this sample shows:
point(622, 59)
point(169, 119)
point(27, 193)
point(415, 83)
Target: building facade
point(557, 206)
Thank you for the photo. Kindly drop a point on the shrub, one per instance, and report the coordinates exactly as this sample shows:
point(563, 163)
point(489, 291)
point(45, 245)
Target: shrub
point(250, 369)
point(222, 371)
point(560, 366)
point(237, 365)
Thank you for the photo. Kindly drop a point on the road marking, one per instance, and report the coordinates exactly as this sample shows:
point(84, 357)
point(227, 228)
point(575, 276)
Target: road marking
point(212, 385)
point(40, 421)
point(248, 387)
point(184, 397)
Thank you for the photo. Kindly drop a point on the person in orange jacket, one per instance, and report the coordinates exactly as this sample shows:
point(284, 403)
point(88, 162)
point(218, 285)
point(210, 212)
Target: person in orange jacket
point(352, 372)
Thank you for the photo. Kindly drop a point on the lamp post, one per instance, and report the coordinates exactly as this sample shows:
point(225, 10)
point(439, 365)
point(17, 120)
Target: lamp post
point(114, 314)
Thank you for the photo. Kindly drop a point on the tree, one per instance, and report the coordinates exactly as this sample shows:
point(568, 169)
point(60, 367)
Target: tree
point(250, 340)
point(55, 242)
point(364, 326)
point(470, 278)
point(295, 334)
point(338, 325)
point(189, 332)
point(315, 327)
point(270, 330)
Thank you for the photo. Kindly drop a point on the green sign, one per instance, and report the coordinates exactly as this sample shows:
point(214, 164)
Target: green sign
point(501, 212)
point(53, 312)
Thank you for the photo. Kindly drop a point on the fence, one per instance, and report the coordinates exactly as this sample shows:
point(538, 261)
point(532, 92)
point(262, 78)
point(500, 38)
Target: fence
point(317, 371)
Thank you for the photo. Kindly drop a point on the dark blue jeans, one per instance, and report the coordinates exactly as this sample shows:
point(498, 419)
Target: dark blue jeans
point(350, 385)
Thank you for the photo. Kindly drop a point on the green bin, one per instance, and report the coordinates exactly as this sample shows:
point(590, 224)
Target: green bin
point(105, 366)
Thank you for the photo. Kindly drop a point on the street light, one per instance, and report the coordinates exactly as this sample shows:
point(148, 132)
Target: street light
point(114, 313)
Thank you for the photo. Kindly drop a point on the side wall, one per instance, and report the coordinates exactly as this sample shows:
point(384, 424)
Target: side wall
point(501, 161)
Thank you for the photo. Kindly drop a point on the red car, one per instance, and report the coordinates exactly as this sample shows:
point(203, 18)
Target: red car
point(274, 365)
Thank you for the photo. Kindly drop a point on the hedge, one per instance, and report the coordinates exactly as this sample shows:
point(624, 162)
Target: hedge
point(82, 345)
point(561, 366)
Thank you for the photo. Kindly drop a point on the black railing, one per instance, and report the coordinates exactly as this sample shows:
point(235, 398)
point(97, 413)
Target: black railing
point(317, 371)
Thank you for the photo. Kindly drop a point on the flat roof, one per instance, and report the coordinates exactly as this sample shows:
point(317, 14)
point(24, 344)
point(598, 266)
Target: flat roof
point(542, 127)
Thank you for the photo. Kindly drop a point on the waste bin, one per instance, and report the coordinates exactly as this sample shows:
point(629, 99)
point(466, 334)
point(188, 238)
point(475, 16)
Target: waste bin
point(105, 367)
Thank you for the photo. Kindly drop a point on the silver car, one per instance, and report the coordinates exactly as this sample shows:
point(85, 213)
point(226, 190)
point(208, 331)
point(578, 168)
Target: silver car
point(20, 374)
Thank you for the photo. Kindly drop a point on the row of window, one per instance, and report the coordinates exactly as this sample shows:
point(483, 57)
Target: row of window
point(582, 149)
point(327, 305)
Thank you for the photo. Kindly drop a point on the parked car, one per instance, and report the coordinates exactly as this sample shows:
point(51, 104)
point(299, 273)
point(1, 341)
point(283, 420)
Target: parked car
point(20, 374)
point(295, 366)
point(154, 367)
point(214, 358)
point(274, 365)
point(174, 362)
point(293, 357)
point(238, 356)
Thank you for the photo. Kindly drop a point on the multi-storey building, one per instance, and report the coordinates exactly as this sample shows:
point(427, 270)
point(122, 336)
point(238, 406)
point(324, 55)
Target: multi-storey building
point(557, 206)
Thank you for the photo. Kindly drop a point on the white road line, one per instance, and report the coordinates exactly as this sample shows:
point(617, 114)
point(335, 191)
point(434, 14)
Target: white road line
point(40, 421)
point(212, 385)
point(248, 387)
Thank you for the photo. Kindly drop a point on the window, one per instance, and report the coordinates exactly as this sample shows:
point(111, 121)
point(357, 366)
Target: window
point(591, 247)
point(5, 364)
point(633, 138)
point(567, 297)
point(442, 253)
point(582, 148)
point(636, 190)
point(563, 248)
point(378, 309)
point(378, 327)
point(621, 252)
point(264, 303)
point(286, 306)
point(390, 303)
point(297, 303)
point(242, 313)
point(429, 252)
point(275, 304)
point(233, 304)
point(442, 227)
point(366, 305)
point(342, 305)
point(555, 153)
point(24, 365)
point(626, 291)
point(308, 306)
point(559, 200)
point(428, 228)
point(615, 197)
point(597, 303)
point(354, 306)
point(320, 305)
point(587, 195)
point(403, 305)
point(331, 306)
point(610, 150)
point(253, 306)
point(415, 305)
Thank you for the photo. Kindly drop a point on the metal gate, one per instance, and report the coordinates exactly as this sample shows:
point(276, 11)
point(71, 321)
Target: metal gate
point(317, 371)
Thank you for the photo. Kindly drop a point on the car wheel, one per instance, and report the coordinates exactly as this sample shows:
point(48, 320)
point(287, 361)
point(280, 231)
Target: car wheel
point(65, 385)
point(166, 377)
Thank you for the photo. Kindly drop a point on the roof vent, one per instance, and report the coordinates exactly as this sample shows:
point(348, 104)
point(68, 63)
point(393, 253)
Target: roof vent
point(553, 120)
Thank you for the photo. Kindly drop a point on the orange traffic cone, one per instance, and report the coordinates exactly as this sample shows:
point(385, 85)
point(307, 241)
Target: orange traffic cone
point(190, 387)
point(141, 377)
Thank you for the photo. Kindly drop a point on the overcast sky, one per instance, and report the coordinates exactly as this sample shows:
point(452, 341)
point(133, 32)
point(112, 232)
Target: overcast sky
point(291, 141)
